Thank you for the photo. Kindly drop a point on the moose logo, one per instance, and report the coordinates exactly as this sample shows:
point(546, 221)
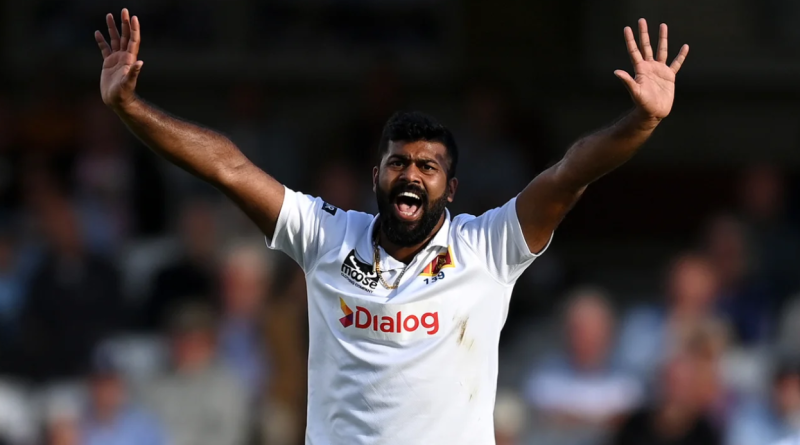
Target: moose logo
point(359, 273)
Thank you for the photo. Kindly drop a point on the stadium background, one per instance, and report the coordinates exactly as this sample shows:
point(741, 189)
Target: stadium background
point(686, 258)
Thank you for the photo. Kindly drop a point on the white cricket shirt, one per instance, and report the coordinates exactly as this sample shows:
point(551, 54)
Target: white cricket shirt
point(412, 366)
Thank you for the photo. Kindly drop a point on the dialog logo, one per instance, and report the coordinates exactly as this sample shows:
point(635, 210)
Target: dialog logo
point(347, 320)
point(389, 321)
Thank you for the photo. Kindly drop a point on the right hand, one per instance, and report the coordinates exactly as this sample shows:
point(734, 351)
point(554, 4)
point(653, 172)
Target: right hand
point(121, 67)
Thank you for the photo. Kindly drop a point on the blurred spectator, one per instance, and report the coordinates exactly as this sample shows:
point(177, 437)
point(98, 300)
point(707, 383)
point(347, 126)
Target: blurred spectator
point(61, 412)
point(112, 419)
point(744, 300)
point(74, 299)
point(509, 418)
point(579, 393)
point(341, 185)
point(63, 431)
point(710, 342)
point(199, 401)
point(19, 420)
point(50, 106)
point(650, 331)
point(192, 276)
point(246, 279)
point(380, 97)
point(286, 334)
point(678, 415)
point(103, 177)
point(267, 138)
point(485, 133)
point(775, 242)
point(758, 422)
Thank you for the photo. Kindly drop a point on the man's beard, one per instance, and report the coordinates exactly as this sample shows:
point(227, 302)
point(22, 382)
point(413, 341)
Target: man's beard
point(408, 233)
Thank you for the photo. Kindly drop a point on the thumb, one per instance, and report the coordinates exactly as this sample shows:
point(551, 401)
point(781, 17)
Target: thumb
point(133, 73)
point(626, 79)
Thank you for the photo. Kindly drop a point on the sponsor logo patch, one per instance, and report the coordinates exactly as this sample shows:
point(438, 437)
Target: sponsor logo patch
point(359, 273)
point(329, 208)
point(389, 321)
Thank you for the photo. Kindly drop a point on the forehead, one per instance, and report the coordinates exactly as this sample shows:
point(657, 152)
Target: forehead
point(418, 150)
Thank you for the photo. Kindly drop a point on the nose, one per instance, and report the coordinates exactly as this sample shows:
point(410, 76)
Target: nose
point(411, 174)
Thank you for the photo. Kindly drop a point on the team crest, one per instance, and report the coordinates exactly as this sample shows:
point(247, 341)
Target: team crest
point(442, 261)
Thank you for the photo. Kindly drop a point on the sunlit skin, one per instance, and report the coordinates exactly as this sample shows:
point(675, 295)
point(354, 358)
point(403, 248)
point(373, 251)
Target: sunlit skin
point(408, 222)
point(540, 207)
point(420, 164)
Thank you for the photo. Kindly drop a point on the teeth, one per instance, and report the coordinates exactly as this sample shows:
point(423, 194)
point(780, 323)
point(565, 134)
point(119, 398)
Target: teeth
point(411, 195)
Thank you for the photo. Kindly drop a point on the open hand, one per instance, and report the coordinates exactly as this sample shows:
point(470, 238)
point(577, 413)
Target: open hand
point(121, 67)
point(653, 88)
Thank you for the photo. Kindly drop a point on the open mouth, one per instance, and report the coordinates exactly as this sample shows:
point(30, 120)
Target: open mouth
point(408, 205)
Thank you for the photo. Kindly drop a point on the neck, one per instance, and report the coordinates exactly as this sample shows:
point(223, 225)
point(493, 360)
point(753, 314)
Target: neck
point(407, 253)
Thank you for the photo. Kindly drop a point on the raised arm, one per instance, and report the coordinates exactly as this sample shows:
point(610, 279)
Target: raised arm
point(543, 204)
point(203, 152)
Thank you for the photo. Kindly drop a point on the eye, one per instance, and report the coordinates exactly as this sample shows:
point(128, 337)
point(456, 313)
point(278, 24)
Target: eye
point(428, 167)
point(396, 163)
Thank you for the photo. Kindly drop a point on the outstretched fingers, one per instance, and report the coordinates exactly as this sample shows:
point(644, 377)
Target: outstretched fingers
point(133, 44)
point(101, 42)
point(128, 41)
point(126, 29)
point(676, 64)
point(630, 42)
point(663, 51)
point(113, 34)
point(644, 40)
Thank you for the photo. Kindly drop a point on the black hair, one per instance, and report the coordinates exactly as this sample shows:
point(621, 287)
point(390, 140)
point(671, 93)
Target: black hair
point(415, 126)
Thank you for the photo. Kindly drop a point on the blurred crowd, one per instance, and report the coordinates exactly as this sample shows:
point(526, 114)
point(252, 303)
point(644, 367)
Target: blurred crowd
point(713, 359)
point(139, 306)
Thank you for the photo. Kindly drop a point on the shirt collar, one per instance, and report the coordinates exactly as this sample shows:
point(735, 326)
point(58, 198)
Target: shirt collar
point(442, 237)
point(365, 251)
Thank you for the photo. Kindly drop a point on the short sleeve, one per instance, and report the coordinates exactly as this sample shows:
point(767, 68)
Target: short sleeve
point(496, 236)
point(303, 226)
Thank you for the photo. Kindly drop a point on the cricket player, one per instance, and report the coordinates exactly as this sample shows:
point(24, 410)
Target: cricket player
point(405, 307)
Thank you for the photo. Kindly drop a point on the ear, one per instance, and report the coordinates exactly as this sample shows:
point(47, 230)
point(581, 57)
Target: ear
point(374, 178)
point(452, 185)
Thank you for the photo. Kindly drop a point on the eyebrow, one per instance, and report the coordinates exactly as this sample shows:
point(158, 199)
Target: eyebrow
point(410, 159)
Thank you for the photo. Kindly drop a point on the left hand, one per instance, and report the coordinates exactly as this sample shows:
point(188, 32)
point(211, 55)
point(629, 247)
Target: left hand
point(653, 89)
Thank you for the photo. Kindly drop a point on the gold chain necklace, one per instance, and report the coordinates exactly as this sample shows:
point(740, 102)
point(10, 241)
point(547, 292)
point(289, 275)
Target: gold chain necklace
point(377, 269)
point(376, 266)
